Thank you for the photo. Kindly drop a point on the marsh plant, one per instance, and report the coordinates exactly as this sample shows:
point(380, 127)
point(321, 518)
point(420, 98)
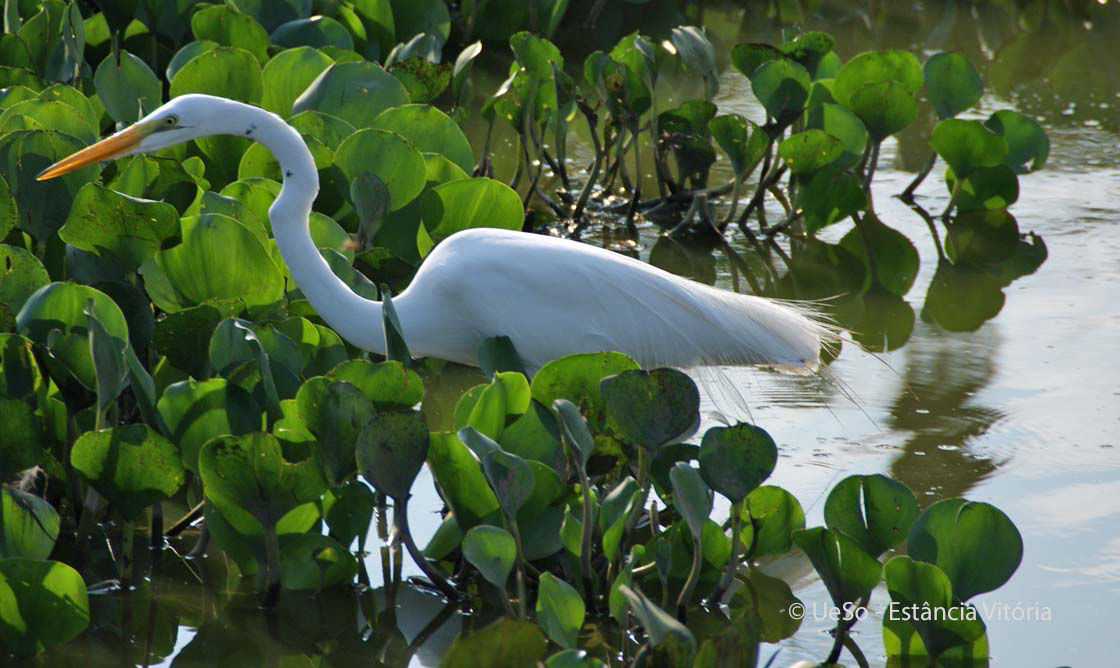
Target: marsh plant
point(156, 356)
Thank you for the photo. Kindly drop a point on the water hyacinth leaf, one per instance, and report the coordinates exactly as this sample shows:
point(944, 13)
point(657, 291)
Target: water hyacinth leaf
point(355, 92)
point(573, 658)
point(386, 384)
point(497, 354)
point(227, 26)
point(21, 274)
point(896, 258)
point(126, 86)
point(831, 195)
point(848, 571)
point(774, 515)
point(44, 603)
point(423, 80)
point(967, 145)
point(314, 31)
point(510, 477)
point(782, 86)
point(249, 475)
point(272, 13)
point(652, 408)
point(219, 258)
point(735, 460)
point(768, 600)
point(460, 480)
point(131, 466)
point(118, 227)
point(187, 53)
point(28, 525)
point(287, 74)
point(985, 189)
point(466, 204)
point(809, 49)
point(697, 53)
point(492, 551)
point(349, 515)
point(952, 83)
point(47, 115)
point(23, 435)
point(841, 123)
point(873, 510)
point(810, 151)
point(507, 643)
point(108, 361)
point(9, 216)
point(335, 412)
point(224, 71)
point(1026, 140)
point(575, 430)
point(976, 545)
point(42, 205)
point(396, 349)
point(370, 197)
point(391, 450)
point(691, 497)
point(560, 610)
point(884, 107)
point(743, 142)
point(462, 69)
point(748, 57)
point(311, 562)
point(663, 629)
point(875, 67)
point(430, 131)
point(388, 156)
point(20, 377)
point(920, 584)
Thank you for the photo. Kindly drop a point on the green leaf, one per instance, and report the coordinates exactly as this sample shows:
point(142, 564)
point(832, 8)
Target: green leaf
point(1026, 140)
point(311, 562)
point(315, 31)
point(132, 466)
point(287, 74)
point(896, 258)
point(429, 130)
point(560, 610)
point(108, 361)
point(652, 408)
point(663, 629)
point(219, 258)
point(349, 515)
point(782, 86)
point(423, 80)
point(42, 604)
point(272, 13)
point(887, 320)
point(774, 514)
point(469, 203)
point(691, 497)
point(28, 525)
point(355, 92)
point(127, 87)
point(386, 384)
point(885, 107)
point(117, 227)
point(9, 217)
point(831, 195)
point(843, 125)
point(875, 67)
point(809, 49)
point(748, 57)
point(873, 510)
point(769, 601)
point(810, 151)
point(507, 643)
point(249, 475)
point(967, 145)
point(47, 115)
point(924, 586)
point(492, 551)
point(509, 476)
point(974, 543)
point(744, 142)
point(952, 83)
point(391, 451)
point(335, 412)
point(848, 571)
point(223, 71)
point(698, 55)
point(460, 480)
point(735, 460)
point(21, 274)
point(20, 377)
point(43, 205)
point(497, 354)
point(388, 156)
point(229, 27)
point(575, 430)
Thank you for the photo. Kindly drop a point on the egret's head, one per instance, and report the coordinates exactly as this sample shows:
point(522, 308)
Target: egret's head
point(180, 120)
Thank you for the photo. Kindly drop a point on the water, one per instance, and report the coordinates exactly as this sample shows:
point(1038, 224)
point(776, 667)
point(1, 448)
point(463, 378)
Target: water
point(1023, 413)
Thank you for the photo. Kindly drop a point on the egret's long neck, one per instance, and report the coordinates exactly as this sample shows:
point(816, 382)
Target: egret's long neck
point(356, 319)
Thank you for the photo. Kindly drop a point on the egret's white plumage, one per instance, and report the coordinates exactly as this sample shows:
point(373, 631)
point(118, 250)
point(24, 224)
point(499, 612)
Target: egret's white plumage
point(552, 297)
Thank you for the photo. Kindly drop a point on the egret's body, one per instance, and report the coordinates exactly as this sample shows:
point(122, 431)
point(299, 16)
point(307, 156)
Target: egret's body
point(552, 297)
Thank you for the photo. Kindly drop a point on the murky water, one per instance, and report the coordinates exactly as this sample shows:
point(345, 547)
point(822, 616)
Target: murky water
point(1023, 413)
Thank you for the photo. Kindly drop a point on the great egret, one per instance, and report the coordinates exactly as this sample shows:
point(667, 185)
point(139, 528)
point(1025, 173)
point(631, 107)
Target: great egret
point(552, 297)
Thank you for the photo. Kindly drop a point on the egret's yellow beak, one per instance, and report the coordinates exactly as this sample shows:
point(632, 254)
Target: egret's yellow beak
point(106, 149)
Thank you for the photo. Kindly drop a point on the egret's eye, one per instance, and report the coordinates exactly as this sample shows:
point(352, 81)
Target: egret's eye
point(171, 121)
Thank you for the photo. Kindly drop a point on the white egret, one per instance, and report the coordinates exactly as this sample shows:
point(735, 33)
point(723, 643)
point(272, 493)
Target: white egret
point(552, 297)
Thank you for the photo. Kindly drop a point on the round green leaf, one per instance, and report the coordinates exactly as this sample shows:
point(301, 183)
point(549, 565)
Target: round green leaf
point(663, 629)
point(355, 92)
point(492, 551)
point(974, 543)
point(335, 413)
point(43, 205)
point(386, 384)
point(469, 203)
point(923, 585)
point(391, 451)
point(842, 124)
point(127, 86)
point(415, 17)
point(187, 53)
point(985, 189)
point(810, 151)
point(350, 513)
point(21, 274)
point(560, 610)
point(388, 156)
point(697, 53)
point(575, 429)
point(42, 604)
point(782, 86)
point(430, 131)
point(23, 437)
point(506, 642)
point(577, 378)
point(224, 71)
point(735, 460)
point(691, 496)
point(460, 480)
point(28, 525)
point(229, 27)
point(288, 74)
point(218, 258)
point(272, 13)
point(1026, 140)
point(196, 412)
point(510, 477)
point(248, 474)
point(774, 514)
point(9, 217)
point(873, 510)
point(896, 258)
point(315, 31)
point(952, 83)
point(311, 562)
point(848, 571)
point(874, 67)
point(967, 145)
point(830, 195)
point(20, 377)
point(887, 321)
point(132, 466)
point(118, 227)
point(748, 57)
point(47, 115)
point(884, 107)
point(652, 408)
point(743, 142)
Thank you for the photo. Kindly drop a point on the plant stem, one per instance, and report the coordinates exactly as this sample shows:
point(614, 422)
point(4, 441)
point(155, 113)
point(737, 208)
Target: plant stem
point(953, 198)
point(872, 163)
point(908, 194)
point(128, 533)
point(693, 577)
point(522, 604)
point(585, 540)
point(842, 628)
point(272, 566)
point(733, 559)
point(157, 526)
point(400, 519)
